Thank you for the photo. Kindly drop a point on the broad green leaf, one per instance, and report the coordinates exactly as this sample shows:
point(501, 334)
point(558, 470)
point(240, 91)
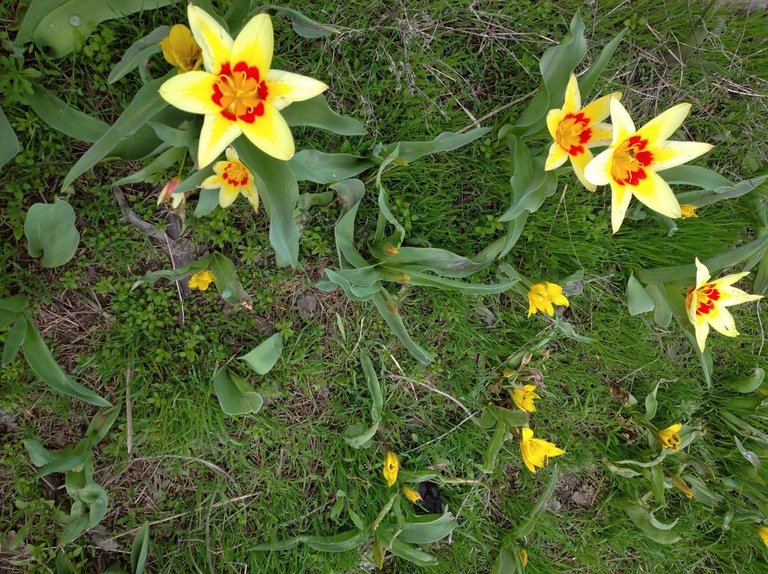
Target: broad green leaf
point(428, 280)
point(709, 196)
point(413, 150)
point(182, 136)
point(319, 167)
point(14, 304)
point(149, 173)
point(138, 54)
point(695, 175)
point(657, 485)
point(427, 528)
point(751, 457)
point(649, 464)
point(235, 395)
point(590, 77)
point(65, 28)
point(38, 454)
point(414, 555)
point(227, 283)
point(97, 501)
point(385, 213)
point(237, 15)
point(321, 199)
point(527, 526)
point(531, 185)
point(388, 309)
point(350, 194)
point(500, 434)
point(508, 561)
point(642, 519)
point(316, 113)
point(145, 105)
point(51, 232)
point(354, 292)
point(651, 404)
point(303, 25)
point(440, 261)
point(36, 11)
point(374, 386)
point(338, 542)
point(63, 565)
point(99, 426)
point(747, 384)
point(15, 339)
point(357, 436)
point(45, 367)
point(10, 146)
point(662, 311)
point(279, 194)
point(638, 300)
point(206, 202)
point(513, 419)
point(264, 356)
point(60, 116)
point(621, 471)
point(140, 550)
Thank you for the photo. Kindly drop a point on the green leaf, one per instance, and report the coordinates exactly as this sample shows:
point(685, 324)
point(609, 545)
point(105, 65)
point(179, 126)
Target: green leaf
point(642, 519)
point(709, 196)
point(63, 565)
point(657, 484)
point(38, 454)
point(315, 112)
point(318, 167)
point(427, 528)
point(36, 11)
point(280, 194)
point(413, 555)
point(747, 384)
point(350, 194)
point(508, 561)
point(138, 54)
point(145, 105)
point(65, 28)
point(440, 261)
point(15, 339)
point(638, 300)
point(651, 404)
point(10, 146)
point(207, 202)
point(51, 232)
point(338, 542)
point(388, 309)
point(526, 527)
point(303, 25)
point(235, 395)
point(99, 426)
point(97, 501)
point(150, 172)
point(264, 356)
point(621, 471)
point(374, 386)
point(590, 77)
point(227, 283)
point(513, 419)
point(413, 150)
point(60, 116)
point(531, 185)
point(358, 436)
point(663, 313)
point(14, 304)
point(494, 447)
point(428, 280)
point(140, 550)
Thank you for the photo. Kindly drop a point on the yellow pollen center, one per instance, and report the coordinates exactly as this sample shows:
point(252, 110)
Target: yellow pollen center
point(236, 172)
point(239, 93)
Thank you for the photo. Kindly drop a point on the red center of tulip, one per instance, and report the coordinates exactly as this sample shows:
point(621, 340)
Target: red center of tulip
point(705, 298)
point(573, 132)
point(240, 92)
point(235, 173)
point(629, 159)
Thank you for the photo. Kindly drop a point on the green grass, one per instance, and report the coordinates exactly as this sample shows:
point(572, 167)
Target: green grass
point(213, 486)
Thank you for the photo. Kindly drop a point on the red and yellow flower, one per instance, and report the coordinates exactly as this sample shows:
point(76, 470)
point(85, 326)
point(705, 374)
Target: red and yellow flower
point(707, 303)
point(232, 177)
point(575, 129)
point(631, 162)
point(238, 92)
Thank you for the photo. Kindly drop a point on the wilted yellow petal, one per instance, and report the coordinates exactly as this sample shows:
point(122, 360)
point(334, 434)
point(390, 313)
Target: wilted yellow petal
point(391, 467)
point(411, 494)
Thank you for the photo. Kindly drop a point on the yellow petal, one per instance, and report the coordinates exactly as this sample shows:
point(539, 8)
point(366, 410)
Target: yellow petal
point(601, 135)
point(671, 154)
point(702, 273)
point(557, 157)
point(249, 191)
point(228, 194)
point(255, 43)
point(731, 296)
point(190, 92)
point(665, 124)
point(270, 134)
point(214, 40)
point(531, 307)
point(654, 192)
point(598, 171)
point(411, 494)
point(702, 331)
point(572, 101)
point(527, 433)
point(600, 109)
point(217, 133)
point(623, 126)
point(620, 198)
point(286, 88)
point(579, 163)
point(231, 154)
point(554, 117)
point(212, 182)
point(722, 321)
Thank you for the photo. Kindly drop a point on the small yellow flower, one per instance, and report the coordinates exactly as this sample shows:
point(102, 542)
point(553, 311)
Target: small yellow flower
point(523, 557)
point(536, 451)
point(524, 397)
point(167, 195)
point(201, 280)
point(391, 250)
point(542, 297)
point(763, 533)
point(670, 438)
point(391, 466)
point(687, 210)
point(232, 177)
point(180, 49)
point(682, 486)
point(411, 494)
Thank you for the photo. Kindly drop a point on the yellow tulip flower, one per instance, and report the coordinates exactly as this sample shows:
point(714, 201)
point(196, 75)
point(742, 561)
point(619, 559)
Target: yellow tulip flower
point(536, 451)
point(391, 467)
point(180, 49)
point(687, 210)
point(763, 533)
point(232, 177)
point(542, 297)
point(631, 162)
point(575, 129)
point(524, 397)
point(411, 494)
point(201, 280)
point(238, 92)
point(706, 303)
point(669, 437)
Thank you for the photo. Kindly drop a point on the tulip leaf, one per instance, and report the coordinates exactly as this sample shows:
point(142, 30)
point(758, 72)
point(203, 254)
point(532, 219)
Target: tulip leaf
point(318, 167)
point(531, 185)
point(341, 542)
point(695, 175)
point(500, 434)
point(10, 146)
point(34, 14)
point(160, 164)
point(138, 54)
point(51, 232)
point(353, 292)
point(279, 193)
point(350, 194)
point(589, 78)
point(316, 112)
point(357, 436)
point(374, 386)
point(508, 561)
point(60, 116)
point(227, 283)
point(388, 309)
point(747, 384)
point(63, 565)
point(642, 519)
point(709, 196)
point(95, 498)
point(662, 311)
point(65, 28)
point(264, 356)
point(412, 150)
point(638, 300)
point(440, 261)
point(751, 457)
point(622, 471)
point(414, 555)
point(428, 280)
point(657, 485)
point(303, 25)
point(427, 528)
point(15, 339)
point(527, 526)
point(235, 395)
point(193, 181)
point(140, 550)
point(513, 419)
point(651, 404)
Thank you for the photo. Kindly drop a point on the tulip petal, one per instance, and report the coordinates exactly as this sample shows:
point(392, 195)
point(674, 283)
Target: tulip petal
point(579, 163)
point(702, 332)
point(270, 133)
point(623, 126)
point(527, 433)
point(654, 192)
point(227, 195)
point(722, 321)
point(212, 182)
point(598, 171)
point(600, 109)
point(572, 102)
point(217, 133)
point(674, 153)
point(554, 117)
point(190, 92)
point(215, 41)
point(249, 191)
point(601, 135)
point(255, 44)
point(702, 273)
point(620, 198)
point(286, 88)
point(665, 124)
point(731, 296)
point(557, 157)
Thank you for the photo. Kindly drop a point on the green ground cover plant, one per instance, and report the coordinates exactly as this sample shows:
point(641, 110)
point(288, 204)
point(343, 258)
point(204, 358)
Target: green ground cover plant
point(431, 335)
